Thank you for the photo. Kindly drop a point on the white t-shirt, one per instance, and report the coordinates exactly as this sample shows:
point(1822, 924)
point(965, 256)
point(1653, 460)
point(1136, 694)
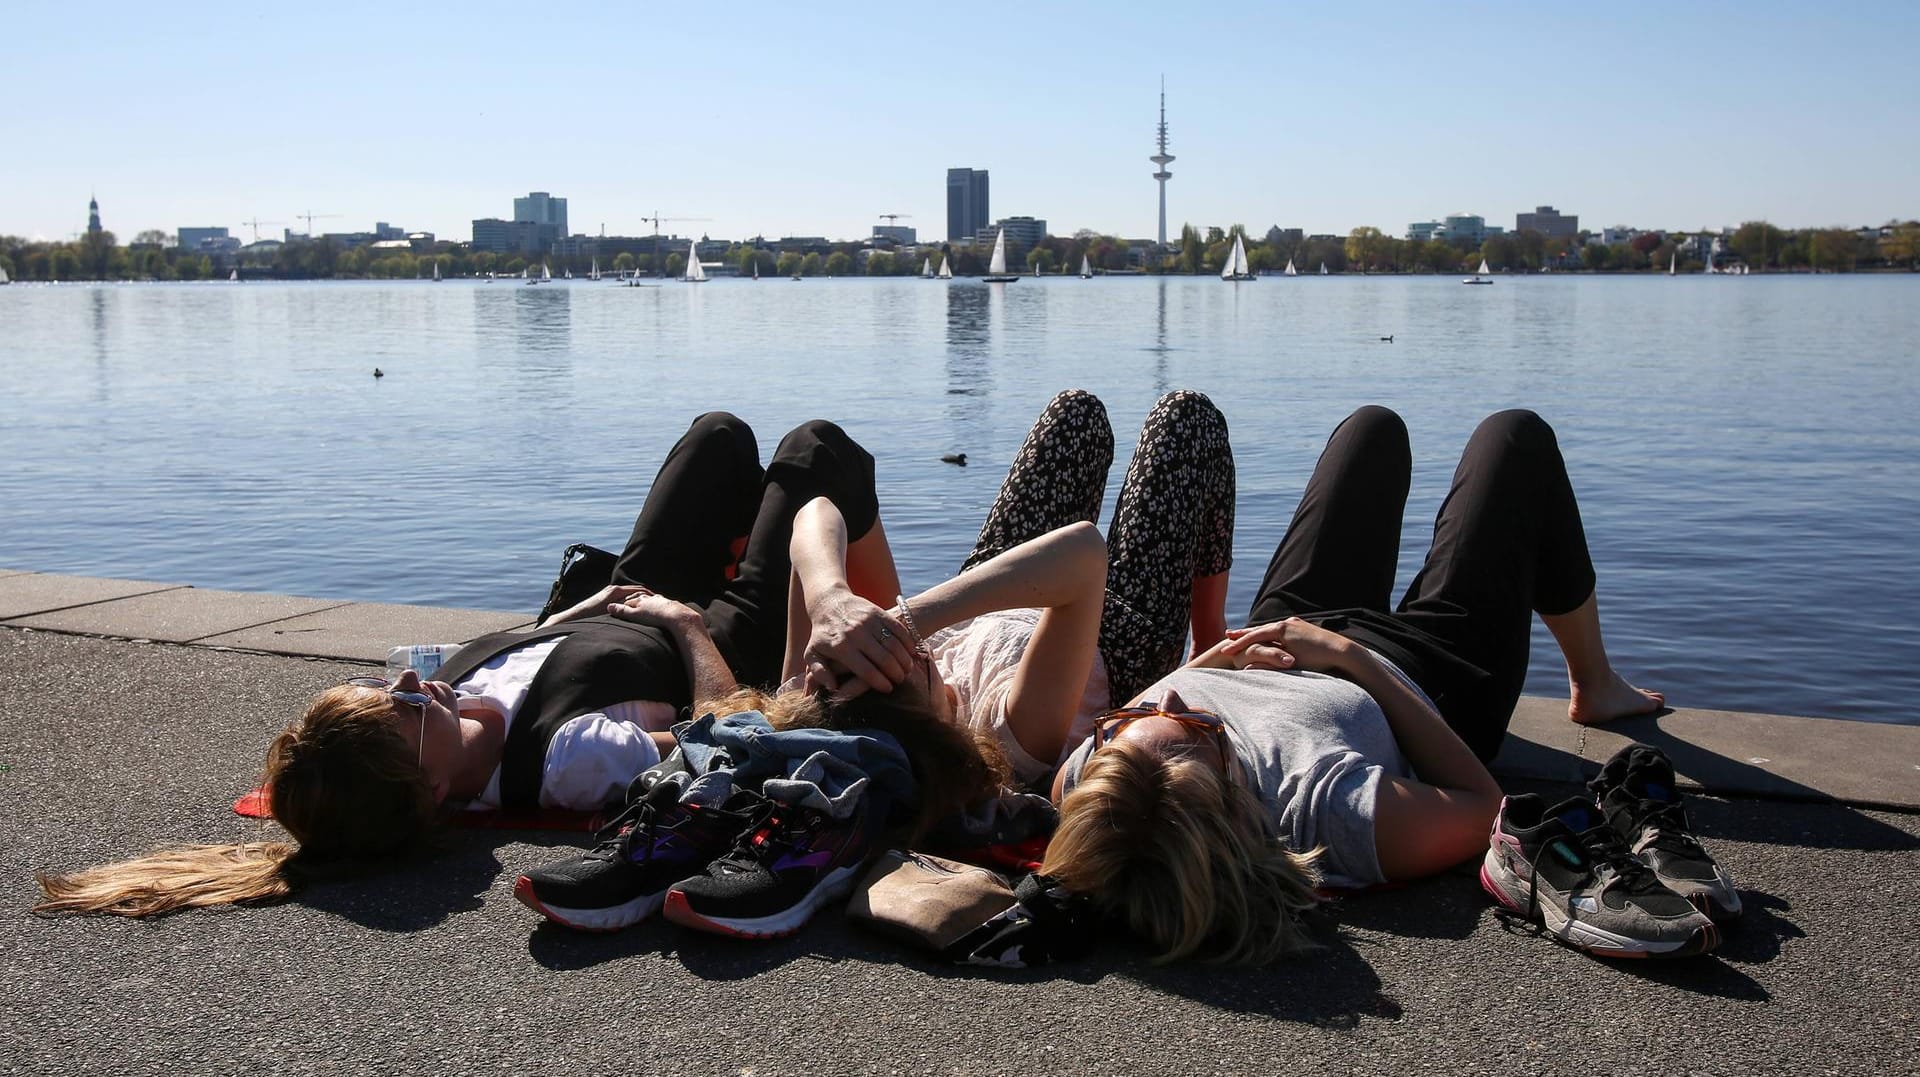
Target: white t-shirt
point(980, 657)
point(591, 758)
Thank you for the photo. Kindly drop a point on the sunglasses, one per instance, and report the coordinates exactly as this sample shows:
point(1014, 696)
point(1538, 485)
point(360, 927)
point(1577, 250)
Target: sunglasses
point(1109, 725)
point(417, 699)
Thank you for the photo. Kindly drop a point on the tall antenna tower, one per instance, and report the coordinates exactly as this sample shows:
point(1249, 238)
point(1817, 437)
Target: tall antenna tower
point(1163, 159)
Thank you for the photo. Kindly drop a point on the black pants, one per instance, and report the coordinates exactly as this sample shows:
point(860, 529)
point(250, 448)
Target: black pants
point(712, 504)
point(1507, 543)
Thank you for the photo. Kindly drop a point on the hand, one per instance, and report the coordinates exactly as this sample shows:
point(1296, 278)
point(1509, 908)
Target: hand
point(643, 606)
point(598, 602)
point(1289, 644)
point(854, 640)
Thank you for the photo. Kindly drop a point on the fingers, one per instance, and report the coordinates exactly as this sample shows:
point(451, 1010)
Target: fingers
point(861, 666)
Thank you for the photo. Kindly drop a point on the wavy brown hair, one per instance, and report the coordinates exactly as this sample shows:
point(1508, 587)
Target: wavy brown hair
point(954, 766)
point(1182, 856)
point(342, 781)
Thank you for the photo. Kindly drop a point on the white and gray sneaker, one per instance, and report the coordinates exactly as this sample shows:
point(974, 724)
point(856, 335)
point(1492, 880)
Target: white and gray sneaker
point(1565, 868)
point(1636, 791)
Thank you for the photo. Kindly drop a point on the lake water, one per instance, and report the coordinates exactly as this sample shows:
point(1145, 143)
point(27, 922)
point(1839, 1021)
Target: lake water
point(1746, 451)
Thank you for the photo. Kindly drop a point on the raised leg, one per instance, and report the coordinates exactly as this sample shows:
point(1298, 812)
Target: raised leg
point(703, 500)
point(1343, 544)
point(1058, 477)
point(1173, 524)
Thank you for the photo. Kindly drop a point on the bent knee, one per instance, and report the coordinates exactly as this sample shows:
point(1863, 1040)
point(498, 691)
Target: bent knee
point(1518, 425)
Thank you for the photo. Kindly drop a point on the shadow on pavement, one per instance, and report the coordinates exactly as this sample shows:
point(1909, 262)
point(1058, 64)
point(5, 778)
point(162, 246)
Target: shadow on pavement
point(454, 876)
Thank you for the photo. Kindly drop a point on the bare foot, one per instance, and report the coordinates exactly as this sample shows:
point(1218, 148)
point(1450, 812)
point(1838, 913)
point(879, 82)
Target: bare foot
point(1613, 699)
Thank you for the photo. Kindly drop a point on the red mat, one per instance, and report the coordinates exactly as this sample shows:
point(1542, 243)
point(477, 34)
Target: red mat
point(255, 806)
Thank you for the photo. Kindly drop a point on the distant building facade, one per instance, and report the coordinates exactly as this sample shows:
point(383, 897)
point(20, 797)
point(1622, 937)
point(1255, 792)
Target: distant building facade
point(897, 234)
point(966, 203)
point(201, 240)
point(1548, 222)
point(539, 222)
point(1469, 228)
point(539, 207)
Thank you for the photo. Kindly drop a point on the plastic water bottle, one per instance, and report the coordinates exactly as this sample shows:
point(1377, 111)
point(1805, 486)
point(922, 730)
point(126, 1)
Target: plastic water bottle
point(424, 659)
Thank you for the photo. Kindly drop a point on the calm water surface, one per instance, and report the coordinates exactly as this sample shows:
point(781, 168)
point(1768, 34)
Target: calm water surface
point(1746, 451)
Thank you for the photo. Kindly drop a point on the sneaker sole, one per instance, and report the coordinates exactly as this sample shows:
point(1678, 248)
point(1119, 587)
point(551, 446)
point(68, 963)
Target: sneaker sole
point(1708, 898)
point(1582, 935)
point(609, 919)
point(836, 885)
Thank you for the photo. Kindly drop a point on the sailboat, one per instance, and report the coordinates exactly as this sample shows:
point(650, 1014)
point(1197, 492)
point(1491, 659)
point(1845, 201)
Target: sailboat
point(1086, 268)
point(436, 271)
point(1236, 268)
point(1673, 264)
point(593, 271)
point(946, 269)
point(1483, 275)
point(569, 272)
point(234, 277)
point(1323, 269)
point(926, 269)
point(1290, 271)
point(1036, 269)
point(997, 268)
point(696, 273)
point(756, 269)
point(4, 279)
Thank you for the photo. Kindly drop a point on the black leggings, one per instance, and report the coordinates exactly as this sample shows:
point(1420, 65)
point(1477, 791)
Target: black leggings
point(1173, 522)
point(712, 504)
point(1507, 543)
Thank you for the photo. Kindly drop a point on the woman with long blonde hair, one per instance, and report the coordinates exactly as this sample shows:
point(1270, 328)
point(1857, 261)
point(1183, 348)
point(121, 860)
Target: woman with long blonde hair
point(1339, 740)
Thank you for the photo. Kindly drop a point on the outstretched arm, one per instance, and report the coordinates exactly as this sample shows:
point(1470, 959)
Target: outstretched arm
point(708, 675)
point(838, 626)
point(1064, 574)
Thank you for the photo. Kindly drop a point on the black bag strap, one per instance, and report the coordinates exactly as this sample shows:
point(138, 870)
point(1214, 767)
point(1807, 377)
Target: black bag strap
point(584, 569)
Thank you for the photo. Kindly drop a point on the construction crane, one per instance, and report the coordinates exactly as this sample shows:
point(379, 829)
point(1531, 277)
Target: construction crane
point(255, 225)
point(312, 217)
point(892, 217)
point(658, 264)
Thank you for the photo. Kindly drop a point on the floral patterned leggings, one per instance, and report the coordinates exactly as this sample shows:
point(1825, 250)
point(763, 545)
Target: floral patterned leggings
point(1173, 522)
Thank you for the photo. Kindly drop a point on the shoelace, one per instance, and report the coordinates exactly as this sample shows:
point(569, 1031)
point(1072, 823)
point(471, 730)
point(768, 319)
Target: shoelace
point(763, 842)
point(1668, 821)
point(616, 838)
point(1609, 852)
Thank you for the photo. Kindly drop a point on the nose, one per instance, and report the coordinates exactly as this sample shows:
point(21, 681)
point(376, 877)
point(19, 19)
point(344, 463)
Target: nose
point(1172, 703)
point(409, 681)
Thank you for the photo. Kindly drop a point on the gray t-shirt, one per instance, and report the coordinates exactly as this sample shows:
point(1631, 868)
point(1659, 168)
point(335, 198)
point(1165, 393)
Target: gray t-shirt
point(1313, 749)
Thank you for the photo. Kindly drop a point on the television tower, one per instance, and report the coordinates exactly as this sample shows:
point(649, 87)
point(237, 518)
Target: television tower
point(1163, 158)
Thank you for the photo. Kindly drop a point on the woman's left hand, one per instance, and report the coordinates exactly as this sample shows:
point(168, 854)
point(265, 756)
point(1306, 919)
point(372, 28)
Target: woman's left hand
point(644, 606)
point(1289, 644)
point(852, 636)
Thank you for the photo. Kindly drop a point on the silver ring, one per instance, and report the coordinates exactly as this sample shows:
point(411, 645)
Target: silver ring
point(885, 632)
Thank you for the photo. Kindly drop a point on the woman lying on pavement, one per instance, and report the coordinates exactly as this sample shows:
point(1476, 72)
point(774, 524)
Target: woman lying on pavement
point(1338, 739)
point(1044, 626)
point(560, 717)
point(1020, 648)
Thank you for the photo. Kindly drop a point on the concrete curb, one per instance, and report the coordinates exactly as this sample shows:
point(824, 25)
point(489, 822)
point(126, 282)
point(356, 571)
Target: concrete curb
point(1719, 752)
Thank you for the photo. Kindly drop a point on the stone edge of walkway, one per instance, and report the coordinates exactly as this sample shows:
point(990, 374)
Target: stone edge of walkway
point(1728, 753)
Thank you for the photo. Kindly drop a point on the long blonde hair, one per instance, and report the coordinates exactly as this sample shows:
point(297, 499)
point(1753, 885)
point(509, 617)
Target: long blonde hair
point(1182, 856)
point(953, 765)
point(342, 781)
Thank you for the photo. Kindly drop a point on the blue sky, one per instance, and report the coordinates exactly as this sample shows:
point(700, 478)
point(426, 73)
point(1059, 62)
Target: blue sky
point(817, 118)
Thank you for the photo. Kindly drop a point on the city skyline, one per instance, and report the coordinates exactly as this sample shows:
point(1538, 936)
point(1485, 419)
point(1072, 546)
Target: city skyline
point(1635, 116)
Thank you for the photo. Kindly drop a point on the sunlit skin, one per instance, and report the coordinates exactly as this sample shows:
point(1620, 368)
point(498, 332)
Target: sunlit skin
point(458, 752)
point(1162, 735)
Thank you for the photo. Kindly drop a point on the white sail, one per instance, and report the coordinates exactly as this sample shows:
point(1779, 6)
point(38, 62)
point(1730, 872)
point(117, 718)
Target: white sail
point(593, 271)
point(1673, 264)
point(526, 272)
point(1323, 269)
point(436, 271)
point(946, 269)
point(4, 279)
point(695, 271)
point(998, 266)
point(756, 269)
point(1036, 268)
point(1086, 267)
point(1290, 271)
point(1483, 271)
point(926, 268)
point(1236, 267)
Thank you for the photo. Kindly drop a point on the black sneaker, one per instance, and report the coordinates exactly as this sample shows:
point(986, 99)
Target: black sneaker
point(654, 843)
point(1566, 868)
point(1636, 790)
point(778, 875)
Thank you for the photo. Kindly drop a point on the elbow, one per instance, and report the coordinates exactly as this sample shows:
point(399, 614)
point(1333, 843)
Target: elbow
point(1086, 549)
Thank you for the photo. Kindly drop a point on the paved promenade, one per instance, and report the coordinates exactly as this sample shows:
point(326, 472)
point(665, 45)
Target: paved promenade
point(133, 713)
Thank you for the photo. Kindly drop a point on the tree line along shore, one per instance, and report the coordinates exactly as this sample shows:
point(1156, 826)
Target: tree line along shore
point(1759, 245)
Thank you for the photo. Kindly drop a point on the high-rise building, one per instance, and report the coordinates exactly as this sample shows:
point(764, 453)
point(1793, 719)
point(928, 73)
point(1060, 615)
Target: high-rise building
point(966, 203)
point(203, 239)
point(1548, 222)
point(93, 216)
point(1163, 159)
point(539, 207)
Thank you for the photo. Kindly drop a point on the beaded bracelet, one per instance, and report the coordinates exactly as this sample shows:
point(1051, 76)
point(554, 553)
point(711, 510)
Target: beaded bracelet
point(906, 617)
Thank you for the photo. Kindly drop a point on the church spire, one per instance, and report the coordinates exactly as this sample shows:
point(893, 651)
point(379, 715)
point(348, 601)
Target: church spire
point(93, 215)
